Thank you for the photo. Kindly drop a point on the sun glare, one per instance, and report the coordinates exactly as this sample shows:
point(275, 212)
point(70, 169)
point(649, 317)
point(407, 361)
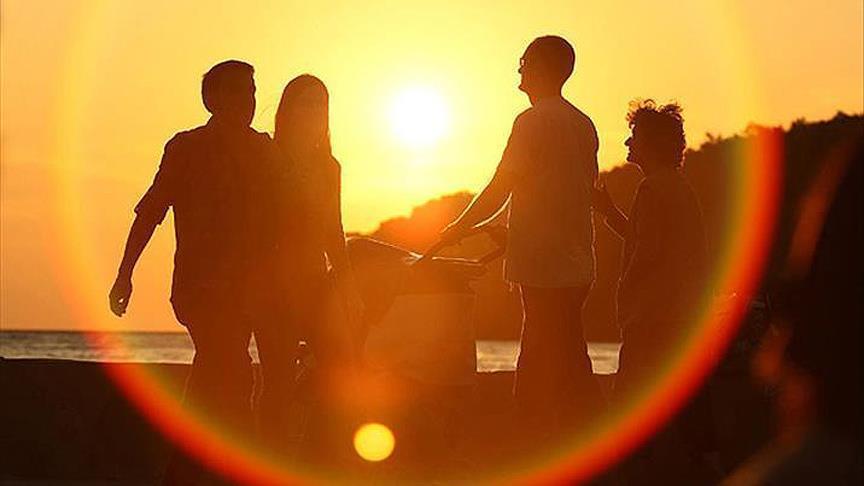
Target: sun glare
point(419, 116)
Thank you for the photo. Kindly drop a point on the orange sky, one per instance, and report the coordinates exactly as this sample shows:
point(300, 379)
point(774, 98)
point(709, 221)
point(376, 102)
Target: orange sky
point(92, 90)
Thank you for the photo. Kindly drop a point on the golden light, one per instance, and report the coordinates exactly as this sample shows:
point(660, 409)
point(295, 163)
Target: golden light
point(374, 442)
point(419, 116)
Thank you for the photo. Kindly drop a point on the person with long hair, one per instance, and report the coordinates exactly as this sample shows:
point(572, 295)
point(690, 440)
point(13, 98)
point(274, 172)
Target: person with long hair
point(302, 137)
point(323, 300)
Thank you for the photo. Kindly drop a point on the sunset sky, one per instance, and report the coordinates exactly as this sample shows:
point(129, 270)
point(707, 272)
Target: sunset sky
point(423, 95)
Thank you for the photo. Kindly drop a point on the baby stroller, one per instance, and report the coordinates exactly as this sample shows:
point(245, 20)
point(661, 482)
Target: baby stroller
point(417, 346)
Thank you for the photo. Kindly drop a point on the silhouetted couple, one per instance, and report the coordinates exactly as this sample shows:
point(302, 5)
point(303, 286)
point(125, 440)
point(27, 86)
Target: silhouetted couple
point(256, 222)
point(547, 174)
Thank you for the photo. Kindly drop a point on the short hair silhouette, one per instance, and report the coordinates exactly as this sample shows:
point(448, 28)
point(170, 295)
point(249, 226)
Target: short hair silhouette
point(554, 56)
point(663, 125)
point(213, 79)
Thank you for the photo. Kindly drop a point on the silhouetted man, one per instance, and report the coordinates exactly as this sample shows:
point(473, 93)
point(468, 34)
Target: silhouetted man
point(210, 176)
point(547, 172)
point(662, 282)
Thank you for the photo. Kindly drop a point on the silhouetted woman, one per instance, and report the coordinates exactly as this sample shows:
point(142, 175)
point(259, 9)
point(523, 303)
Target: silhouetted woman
point(324, 302)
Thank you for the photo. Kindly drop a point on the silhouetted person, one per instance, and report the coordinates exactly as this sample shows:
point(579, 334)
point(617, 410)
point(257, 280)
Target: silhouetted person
point(663, 272)
point(313, 266)
point(547, 173)
point(211, 177)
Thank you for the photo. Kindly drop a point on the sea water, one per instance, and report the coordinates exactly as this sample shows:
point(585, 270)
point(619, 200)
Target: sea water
point(175, 347)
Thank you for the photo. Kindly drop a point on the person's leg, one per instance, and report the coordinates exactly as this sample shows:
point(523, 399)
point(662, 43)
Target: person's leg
point(220, 381)
point(555, 384)
point(218, 390)
point(581, 399)
point(336, 407)
point(278, 409)
point(661, 458)
point(642, 353)
point(535, 370)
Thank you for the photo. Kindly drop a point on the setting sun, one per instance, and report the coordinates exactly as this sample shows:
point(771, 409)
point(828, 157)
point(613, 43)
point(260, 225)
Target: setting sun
point(419, 116)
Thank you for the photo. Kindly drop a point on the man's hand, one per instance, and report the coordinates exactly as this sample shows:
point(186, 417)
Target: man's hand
point(601, 201)
point(119, 296)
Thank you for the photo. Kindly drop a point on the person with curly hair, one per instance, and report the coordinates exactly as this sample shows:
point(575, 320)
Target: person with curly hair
point(663, 273)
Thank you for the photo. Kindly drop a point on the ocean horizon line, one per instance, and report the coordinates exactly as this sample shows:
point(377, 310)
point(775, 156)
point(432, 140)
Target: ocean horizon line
point(139, 331)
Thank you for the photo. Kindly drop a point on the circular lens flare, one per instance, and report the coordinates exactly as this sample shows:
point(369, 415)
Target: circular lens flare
point(374, 442)
point(419, 116)
point(751, 216)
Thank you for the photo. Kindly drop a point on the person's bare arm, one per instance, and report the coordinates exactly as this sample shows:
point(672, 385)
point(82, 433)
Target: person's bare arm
point(484, 207)
point(493, 198)
point(337, 253)
point(647, 227)
point(139, 235)
point(614, 217)
point(334, 240)
point(619, 223)
point(149, 213)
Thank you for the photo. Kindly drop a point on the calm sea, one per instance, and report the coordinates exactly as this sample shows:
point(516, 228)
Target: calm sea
point(156, 347)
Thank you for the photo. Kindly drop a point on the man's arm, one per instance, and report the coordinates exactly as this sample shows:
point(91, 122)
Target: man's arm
point(483, 207)
point(602, 203)
point(139, 235)
point(647, 227)
point(493, 198)
point(619, 223)
point(149, 213)
point(334, 233)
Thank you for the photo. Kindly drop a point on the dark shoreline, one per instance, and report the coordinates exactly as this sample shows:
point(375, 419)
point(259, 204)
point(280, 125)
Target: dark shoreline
point(67, 421)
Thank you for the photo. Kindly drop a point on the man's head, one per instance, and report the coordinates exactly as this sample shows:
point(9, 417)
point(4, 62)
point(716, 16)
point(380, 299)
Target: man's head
point(547, 63)
point(228, 91)
point(657, 137)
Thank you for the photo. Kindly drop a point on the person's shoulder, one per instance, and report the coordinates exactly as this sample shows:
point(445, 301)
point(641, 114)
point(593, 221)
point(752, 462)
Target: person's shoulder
point(670, 186)
point(261, 137)
point(648, 188)
point(266, 147)
point(582, 119)
point(674, 178)
point(544, 109)
point(686, 186)
point(526, 114)
point(333, 167)
point(185, 137)
point(644, 185)
point(526, 119)
point(657, 182)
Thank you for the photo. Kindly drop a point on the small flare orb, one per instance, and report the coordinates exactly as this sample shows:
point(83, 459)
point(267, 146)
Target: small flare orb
point(374, 442)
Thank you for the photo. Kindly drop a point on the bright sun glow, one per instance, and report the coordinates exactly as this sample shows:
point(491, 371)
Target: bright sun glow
point(419, 116)
point(374, 442)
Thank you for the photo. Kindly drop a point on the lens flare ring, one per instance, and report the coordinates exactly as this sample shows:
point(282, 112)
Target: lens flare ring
point(751, 221)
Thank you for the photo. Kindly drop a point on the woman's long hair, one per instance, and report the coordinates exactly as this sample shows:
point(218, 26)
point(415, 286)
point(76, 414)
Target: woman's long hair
point(285, 124)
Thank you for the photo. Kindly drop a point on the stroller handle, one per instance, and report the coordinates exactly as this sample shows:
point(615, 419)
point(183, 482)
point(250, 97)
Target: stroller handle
point(498, 234)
